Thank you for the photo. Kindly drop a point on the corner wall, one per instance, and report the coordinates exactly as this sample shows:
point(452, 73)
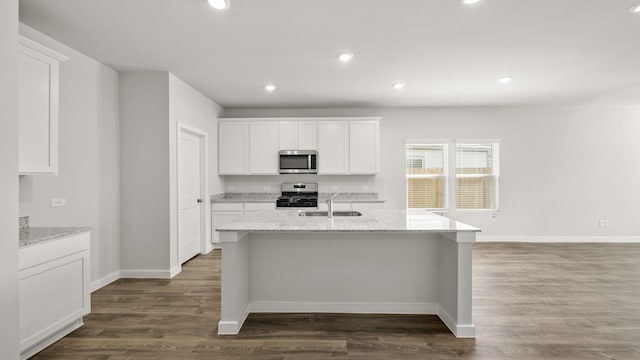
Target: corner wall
point(9, 340)
point(88, 176)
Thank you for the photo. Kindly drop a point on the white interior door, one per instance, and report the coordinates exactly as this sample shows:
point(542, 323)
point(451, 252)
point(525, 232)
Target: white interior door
point(190, 197)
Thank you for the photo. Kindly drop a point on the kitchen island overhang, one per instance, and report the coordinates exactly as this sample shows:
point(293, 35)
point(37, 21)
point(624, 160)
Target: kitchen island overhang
point(386, 261)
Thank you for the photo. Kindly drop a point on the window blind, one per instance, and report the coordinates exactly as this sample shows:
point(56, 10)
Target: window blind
point(427, 168)
point(477, 173)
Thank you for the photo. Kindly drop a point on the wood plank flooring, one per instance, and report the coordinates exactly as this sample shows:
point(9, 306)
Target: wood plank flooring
point(531, 301)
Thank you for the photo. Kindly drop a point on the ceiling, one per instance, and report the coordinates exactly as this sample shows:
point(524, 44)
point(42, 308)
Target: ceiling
point(449, 54)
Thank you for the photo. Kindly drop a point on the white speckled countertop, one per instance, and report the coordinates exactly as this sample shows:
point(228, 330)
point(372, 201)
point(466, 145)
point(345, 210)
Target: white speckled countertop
point(370, 221)
point(34, 235)
point(271, 197)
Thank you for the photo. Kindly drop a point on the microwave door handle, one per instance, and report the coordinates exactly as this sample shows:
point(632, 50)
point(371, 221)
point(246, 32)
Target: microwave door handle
point(309, 162)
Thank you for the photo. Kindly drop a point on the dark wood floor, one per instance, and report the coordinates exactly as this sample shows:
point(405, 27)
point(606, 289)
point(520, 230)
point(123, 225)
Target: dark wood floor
point(531, 301)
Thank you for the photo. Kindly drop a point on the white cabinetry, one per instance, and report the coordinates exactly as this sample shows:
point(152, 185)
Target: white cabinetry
point(363, 147)
point(298, 135)
point(54, 290)
point(333, 147)
point(220, 214)
point(264, 145)
point(223, 212)
point(358, 206)
point(38, 76)
point(233, 148)
point(345, 145)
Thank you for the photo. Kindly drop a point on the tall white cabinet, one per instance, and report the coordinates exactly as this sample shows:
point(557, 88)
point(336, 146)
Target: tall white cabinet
point(233, 147)
point(263, 147)
point(333, 147)
point(38, 83)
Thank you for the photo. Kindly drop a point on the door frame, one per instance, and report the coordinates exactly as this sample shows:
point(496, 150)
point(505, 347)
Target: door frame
point(205, 246)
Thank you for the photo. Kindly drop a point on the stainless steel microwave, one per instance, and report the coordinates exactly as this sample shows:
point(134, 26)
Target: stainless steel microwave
point(298, 162)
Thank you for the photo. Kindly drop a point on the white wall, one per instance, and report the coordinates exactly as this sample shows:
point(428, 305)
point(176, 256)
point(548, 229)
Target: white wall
point(144, 171)
point(151, 105)
point(88, 158)
point(562, 168)
point(9, 342)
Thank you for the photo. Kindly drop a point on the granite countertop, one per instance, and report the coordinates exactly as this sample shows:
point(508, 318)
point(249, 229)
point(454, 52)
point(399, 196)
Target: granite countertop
point(370, 221)
point(271, 197)
point(34, 235)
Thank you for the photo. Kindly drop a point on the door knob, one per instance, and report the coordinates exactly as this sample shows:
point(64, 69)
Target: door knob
point(199, 200)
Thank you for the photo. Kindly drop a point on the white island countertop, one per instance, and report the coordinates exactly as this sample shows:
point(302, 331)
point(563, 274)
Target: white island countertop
point(412, 221)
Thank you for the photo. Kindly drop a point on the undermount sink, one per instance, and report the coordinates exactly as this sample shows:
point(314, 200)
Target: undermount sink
point(325, 213)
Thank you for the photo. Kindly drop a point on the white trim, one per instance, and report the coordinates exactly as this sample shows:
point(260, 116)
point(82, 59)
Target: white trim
point(146, 274)
point(460, 331)
point(560, 239)
point(50, 339)
point(233, 327)
point(305, 118)
point(351, 308)
point(104, 281)
point(175, 271)
point(42, 49)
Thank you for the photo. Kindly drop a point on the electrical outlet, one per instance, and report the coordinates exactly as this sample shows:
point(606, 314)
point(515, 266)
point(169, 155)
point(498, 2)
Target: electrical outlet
point(58, 202)
point(604, 223)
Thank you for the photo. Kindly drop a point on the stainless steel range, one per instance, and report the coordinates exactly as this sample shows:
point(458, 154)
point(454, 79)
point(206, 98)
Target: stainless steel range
point(298, 195)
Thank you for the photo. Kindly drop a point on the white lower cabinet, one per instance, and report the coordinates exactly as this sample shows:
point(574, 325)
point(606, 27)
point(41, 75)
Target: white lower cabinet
point(220, 214)
point(223, 212)
point(358, 206)
point(54, 290)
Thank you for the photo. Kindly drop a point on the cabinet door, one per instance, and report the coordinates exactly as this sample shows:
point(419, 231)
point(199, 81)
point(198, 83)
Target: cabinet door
point(307, 135)
point(264, 146)
point(333, 157)
point(219, 218)
point(259, 206)
point(363, 147)
point(288, 135)
point(233, 148)
point(38, 111)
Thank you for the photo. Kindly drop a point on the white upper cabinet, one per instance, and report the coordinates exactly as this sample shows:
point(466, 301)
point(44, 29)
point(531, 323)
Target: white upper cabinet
point(345, 145)
point(233, 147)
point(333, 147)
point(38, 77)
point(264, 145)
point(363, 147)
point(298, 135)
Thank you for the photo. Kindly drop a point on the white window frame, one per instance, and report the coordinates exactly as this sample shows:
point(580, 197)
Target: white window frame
point(446, 175)
point(495, 167)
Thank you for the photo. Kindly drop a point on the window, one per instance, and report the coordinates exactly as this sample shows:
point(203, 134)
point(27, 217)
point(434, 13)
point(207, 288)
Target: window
point(427, 167)
point(477, 173)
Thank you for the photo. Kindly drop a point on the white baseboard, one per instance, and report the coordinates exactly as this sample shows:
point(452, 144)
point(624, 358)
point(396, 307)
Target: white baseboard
point(560, 239)
point(233, 327)
point(352, 308)
point(104, 281)
point(146, 274)
point(461, 331)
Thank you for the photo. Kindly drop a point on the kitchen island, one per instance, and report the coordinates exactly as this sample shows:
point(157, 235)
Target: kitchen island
point(385, 261)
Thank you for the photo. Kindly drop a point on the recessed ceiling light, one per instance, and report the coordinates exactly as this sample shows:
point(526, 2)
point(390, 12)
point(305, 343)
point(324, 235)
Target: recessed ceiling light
point(270, 87)
point(219, 4)
point(345, 57)
point(506, 79)
point(399, 86)
point(635, 8)
point(470, 2)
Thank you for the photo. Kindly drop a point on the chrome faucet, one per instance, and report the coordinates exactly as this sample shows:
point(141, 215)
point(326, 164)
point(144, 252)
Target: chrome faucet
point(330, 205)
